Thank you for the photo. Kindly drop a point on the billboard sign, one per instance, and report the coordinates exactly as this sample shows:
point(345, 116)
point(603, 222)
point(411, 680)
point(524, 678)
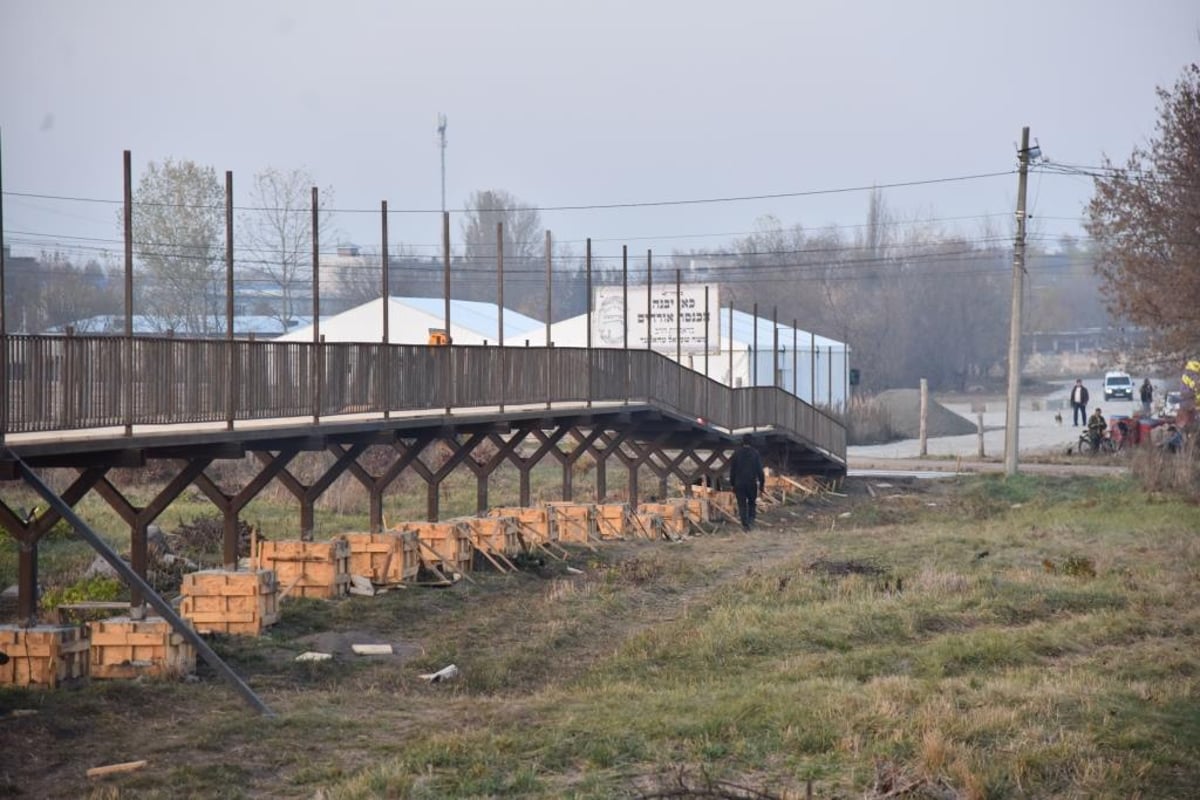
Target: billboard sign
point(609, 314)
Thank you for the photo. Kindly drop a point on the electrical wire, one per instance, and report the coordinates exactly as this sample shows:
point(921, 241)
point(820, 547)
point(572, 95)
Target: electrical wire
point(570, 207)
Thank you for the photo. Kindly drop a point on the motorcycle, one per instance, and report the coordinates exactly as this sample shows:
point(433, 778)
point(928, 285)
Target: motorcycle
point(1090, 445)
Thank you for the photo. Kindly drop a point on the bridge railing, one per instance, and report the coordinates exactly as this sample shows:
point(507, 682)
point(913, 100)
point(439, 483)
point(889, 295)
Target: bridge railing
point(60, 383)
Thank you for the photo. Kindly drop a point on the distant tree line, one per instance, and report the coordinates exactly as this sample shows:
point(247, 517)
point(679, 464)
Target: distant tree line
point(911, 300)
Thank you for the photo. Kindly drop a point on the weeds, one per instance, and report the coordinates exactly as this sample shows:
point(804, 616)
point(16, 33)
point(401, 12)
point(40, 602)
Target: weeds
point(935, 657)
point(868, 421)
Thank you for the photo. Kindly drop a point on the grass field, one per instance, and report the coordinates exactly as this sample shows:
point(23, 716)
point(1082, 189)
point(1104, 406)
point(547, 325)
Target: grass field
point(968, 638)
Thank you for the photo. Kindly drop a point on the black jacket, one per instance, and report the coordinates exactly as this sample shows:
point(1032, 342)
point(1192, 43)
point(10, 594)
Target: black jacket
point(1083, 395)
point(746, 468)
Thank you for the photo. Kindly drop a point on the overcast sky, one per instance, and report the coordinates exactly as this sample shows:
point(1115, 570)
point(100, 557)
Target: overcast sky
point(583, 103)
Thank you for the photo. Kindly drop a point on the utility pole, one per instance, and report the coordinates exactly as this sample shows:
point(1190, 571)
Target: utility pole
point(442, 144)
point(1013, 413)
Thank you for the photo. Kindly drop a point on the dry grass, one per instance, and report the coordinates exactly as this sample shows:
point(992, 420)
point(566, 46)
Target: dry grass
point(868, 421)
point(728, 657)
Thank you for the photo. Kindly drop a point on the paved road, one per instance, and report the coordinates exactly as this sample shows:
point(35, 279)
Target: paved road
point(935, 467)
point(1039, 433)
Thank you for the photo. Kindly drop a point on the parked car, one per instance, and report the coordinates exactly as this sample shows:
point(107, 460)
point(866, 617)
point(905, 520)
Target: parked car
point(1170, 404)
point(1118, 385)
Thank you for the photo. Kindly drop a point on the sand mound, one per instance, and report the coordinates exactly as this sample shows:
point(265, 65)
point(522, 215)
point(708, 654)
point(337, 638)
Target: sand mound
point(904, 407)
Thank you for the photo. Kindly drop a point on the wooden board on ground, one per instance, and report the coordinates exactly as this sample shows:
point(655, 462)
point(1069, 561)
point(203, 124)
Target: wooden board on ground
point(122, 647)
point(228, 601)
point(44, 655)
point(308, 569)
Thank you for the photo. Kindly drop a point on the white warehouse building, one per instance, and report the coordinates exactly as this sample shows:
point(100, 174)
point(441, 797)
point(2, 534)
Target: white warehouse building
point(814, 368)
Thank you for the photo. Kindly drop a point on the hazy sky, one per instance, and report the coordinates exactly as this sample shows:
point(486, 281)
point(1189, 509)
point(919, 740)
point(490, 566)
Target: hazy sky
point(583, 103)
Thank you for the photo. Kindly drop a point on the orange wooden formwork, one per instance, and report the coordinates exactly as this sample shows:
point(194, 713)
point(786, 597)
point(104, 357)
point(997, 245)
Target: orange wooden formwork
point(534, 525)
point(496, 539)
point(613, 520)
point(44, 655)
point(386, 559)
point(674, 520)
point(446, 542)
point(697, 509)
point(722, 505)
point(227, 601)
point(308, 569)
point(122, 647)
point(646, 524)
point(573, 522)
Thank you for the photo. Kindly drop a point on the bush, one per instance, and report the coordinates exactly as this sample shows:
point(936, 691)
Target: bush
point(95, 588)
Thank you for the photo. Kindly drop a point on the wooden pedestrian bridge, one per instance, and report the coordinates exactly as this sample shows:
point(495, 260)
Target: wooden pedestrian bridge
point(91, 404)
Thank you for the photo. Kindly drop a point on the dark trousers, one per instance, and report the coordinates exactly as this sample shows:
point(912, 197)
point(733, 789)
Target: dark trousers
point(1078, 413)
point(747, 505)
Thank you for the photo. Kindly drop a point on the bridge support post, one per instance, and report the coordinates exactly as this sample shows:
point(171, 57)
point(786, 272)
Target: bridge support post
point(137, 561)
point(139, 519)
point(601, 477)
point(27, 581)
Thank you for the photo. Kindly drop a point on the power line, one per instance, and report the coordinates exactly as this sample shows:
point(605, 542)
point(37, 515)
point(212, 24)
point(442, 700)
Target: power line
point(574, 207)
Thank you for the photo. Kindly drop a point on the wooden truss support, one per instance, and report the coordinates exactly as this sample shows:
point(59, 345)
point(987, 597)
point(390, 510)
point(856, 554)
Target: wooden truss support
point(27, 532)
point(524, 465)
point(484, 469)
point(633, 462)
point(611, 442)
point(377, 485)
point(583, 444)
point(433, 478)
point(231, 505)
point(308, 495)
point(139, 519)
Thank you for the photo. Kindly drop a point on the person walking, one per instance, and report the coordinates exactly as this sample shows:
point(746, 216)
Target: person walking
point(748, 478)
point(1079, 401)
point(1147, 395)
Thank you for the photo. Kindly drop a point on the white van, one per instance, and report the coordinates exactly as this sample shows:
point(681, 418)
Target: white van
point(1118, 385)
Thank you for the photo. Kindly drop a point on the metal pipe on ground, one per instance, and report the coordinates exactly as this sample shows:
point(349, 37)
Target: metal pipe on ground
point(135, 581)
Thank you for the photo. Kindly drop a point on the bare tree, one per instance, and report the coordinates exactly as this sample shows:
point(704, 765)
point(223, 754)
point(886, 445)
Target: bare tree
point(524, 242)
point(1145, 220)
point(178, 223)
point(78, 296)
point(277, 233)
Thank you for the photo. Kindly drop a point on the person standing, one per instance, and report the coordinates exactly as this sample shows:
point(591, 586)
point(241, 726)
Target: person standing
point(1079, 401)
point(1147, 395)
point(748, 478)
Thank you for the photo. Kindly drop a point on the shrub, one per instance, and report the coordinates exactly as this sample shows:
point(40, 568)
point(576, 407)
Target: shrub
point(95, 588)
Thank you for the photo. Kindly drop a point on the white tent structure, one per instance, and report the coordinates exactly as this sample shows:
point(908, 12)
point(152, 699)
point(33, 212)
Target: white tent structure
point(410, 320)
point(814, 368)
